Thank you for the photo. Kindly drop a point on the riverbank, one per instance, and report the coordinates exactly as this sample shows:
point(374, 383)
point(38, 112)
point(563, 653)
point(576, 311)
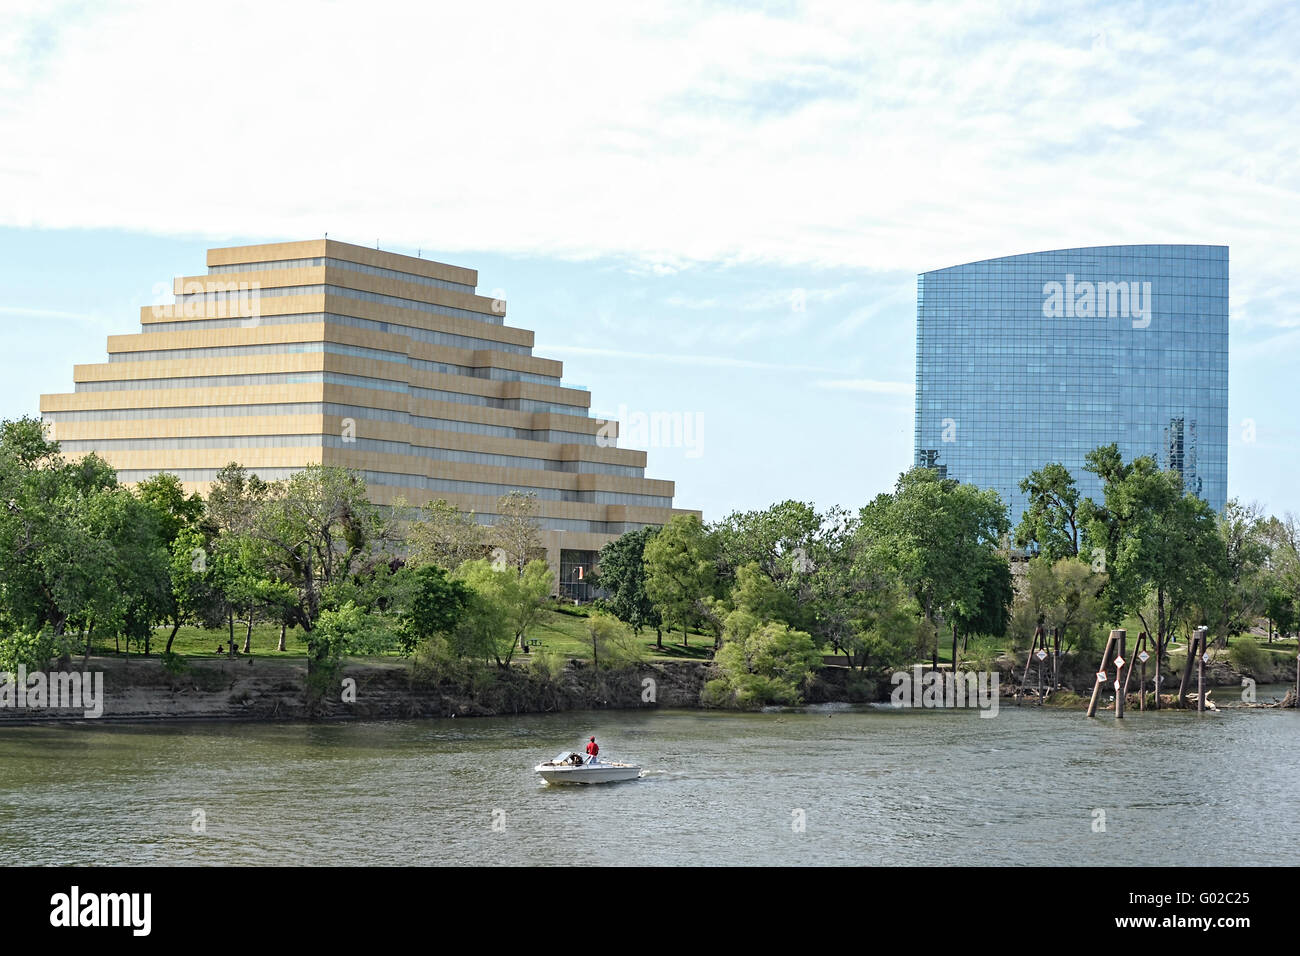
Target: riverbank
point(262, 690)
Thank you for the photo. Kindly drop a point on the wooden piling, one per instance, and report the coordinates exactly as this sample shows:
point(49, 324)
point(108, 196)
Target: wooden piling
point(1096, 686)
point(1128, 673)
point(1142, 688)
point(1187, 667)
point(1024, 678)
point(1204, 633)
point(1121, 684)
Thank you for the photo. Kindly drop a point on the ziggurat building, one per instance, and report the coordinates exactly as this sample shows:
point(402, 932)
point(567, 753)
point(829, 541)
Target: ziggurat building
point(322, 352)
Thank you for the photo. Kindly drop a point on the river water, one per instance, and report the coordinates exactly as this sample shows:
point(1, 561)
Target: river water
point(875, 786)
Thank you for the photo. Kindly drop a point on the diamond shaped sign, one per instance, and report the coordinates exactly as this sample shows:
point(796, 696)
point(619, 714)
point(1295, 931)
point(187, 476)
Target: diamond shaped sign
point(1116, 685)
point(1143, 656)
point(1206, 657)
point(1101, 677)
point(1041, 655)
point(1119, 662)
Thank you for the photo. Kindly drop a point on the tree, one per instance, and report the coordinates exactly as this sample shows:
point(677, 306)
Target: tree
point(1050, 523)
point(525, 597)
point(935, 534)
point(1236, 598)
point(1156, 541)
point(50, 562)
point(778, 539)
point(444, 536)
point(517, 532)
point(176, 510)
point(486, 630)
point(437, 605)
point(1065, 595)
point(621, 571)
point(316, 529)
point(988, 611)
point(508, 605)
point(234, 498)
point(680, 572)
point(135, 590)
point(196, 597)
point(610, 642)
point(1281, 610)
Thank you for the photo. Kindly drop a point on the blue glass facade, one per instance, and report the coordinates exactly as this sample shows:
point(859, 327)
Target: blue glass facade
point(1035, 358)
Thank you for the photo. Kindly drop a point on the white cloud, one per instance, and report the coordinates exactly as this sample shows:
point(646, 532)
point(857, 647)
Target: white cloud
point(888, 136)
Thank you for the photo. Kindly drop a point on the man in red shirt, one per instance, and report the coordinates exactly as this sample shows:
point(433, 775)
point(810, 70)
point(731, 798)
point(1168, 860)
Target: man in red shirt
point(593, 750)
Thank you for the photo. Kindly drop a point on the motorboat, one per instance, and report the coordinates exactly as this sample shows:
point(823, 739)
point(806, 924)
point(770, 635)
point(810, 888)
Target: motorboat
point(570, 767)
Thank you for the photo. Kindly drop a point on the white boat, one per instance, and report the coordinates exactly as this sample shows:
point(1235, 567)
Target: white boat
point(570, 767)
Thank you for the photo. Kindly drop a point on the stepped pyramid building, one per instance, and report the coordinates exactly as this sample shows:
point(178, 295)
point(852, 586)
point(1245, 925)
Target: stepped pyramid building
point(322, 352)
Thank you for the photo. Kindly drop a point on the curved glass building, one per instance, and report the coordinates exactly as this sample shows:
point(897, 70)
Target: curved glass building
point(1042, 357)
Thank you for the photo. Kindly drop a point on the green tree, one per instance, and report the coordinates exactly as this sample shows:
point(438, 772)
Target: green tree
point(1234, 599)
point(517, 531)
point(445, 536)
point(1050, 522)
point(437, 605)
point(176, 510)
point(988, 611)
point(508, 605)
point(680, 572)
point(484, 631)
point(611, 643)
point(778, 539)
point(621, 571)
point(1281, 610)
point(196, 596)
point(935, 535)
point(1064, 594)
point(1157, 542)
point(314, 530)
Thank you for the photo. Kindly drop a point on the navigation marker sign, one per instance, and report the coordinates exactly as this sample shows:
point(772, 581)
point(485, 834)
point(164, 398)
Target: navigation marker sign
point(1119, 662)
point(1143, 656)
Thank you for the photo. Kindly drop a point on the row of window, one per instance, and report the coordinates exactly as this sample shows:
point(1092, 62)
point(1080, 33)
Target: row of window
point(274, 264)
point(551, 436)
point(334, 318)
point(361, 444)
point(490, 489)
point(515, 404)
point(274, 292)
point(328, 378)
point(133, 475)
point(335, 348)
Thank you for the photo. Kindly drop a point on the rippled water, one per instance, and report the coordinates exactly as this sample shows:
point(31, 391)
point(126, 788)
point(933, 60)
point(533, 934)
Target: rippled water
point(876, 787)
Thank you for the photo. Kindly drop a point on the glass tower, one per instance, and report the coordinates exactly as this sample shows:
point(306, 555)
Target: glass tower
point(1042, 357)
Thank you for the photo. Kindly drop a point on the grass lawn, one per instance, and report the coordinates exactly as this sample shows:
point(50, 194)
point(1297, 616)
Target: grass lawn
point(566, 631)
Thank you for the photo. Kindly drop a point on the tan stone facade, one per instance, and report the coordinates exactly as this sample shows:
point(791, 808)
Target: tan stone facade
point(297, 353)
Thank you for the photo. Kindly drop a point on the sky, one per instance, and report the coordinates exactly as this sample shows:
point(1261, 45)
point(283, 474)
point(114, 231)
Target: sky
point(713, 214)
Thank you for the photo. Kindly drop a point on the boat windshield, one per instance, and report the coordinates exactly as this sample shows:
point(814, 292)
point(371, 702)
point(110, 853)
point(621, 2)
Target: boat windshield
point(562, 757)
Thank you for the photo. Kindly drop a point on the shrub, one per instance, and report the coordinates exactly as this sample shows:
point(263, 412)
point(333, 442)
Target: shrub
point(548, 663)
point(717, 693)
point(435, 661)
point(32, 650)
point(611, 643)
point(1248, 656)
point(173, 663)
point(766, 664)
